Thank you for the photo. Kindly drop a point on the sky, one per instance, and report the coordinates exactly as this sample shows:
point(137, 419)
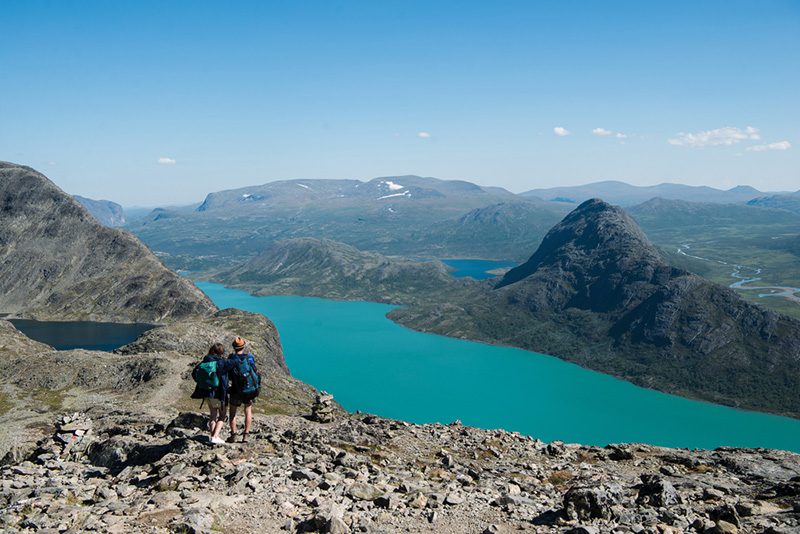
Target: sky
point(159, 103)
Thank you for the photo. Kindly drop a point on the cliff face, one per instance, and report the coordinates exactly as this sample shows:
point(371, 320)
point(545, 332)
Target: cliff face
point(58, 262)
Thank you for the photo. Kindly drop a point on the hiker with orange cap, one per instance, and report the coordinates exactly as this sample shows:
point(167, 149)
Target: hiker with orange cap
point(245, 387)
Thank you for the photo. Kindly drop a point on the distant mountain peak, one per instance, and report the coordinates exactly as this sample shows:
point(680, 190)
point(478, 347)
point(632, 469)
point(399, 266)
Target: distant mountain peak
point(594, 235)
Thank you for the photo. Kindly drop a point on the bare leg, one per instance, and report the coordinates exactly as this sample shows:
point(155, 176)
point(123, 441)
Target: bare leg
point(216, 421)
point(212, 420)
point(217, 427)
point(248, 417)
point(233, 420)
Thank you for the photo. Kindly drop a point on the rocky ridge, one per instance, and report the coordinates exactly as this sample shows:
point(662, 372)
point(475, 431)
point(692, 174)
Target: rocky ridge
point(57, 262)
point(107, 470)
point(327, 269)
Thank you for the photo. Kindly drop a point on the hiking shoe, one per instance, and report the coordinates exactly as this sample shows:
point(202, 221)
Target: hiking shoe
point(244, 438)
point(217, 441)
point(232, 438)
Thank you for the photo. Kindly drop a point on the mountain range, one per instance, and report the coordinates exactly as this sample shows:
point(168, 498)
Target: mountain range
point(623, 194)
point(784, 202)
point(406, 215)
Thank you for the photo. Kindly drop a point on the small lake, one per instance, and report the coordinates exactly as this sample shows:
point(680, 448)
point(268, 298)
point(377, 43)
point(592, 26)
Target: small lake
point(66, 335)
point(477, 269)
point(371, 364)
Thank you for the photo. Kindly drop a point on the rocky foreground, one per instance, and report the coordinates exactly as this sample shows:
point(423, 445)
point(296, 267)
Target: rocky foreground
point(156, 472)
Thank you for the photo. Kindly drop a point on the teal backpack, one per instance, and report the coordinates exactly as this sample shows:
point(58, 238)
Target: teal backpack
point(205, 374)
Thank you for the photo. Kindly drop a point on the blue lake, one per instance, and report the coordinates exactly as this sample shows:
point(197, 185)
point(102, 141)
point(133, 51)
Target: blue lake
point(477, 269)
point(66, 335)
point(371, 364)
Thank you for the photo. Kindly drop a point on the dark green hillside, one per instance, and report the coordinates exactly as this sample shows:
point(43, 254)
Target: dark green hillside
point(790, 244)
point(495, 231)
point(662, 215)
point(783, 202)
point(327, 269)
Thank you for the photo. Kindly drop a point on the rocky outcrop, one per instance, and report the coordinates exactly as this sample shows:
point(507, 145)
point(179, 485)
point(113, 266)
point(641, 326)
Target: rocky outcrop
point(128, 471)
point(57, 262)
point(156, 368)
point(196, 336)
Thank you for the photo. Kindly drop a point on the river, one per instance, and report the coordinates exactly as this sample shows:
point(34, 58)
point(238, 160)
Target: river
point(739, 273)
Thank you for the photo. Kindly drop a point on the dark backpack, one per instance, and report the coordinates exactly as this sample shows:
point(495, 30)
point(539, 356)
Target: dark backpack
point(205, 374)
point(246, 382)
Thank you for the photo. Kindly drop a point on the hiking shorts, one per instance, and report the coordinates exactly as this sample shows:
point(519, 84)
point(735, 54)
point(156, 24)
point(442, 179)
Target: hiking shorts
point(237, 401)
point(214, 403)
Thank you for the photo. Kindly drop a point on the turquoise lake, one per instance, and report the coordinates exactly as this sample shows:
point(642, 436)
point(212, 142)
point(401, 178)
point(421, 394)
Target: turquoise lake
point(369, 363)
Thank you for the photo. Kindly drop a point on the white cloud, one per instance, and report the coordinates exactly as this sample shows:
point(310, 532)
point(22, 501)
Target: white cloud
point(601, 131)
point(166, 161)
point(558, 130)
point(423, 134)
point(721, 136)
point(620, 136)
point(51, 162)
point(783, 145)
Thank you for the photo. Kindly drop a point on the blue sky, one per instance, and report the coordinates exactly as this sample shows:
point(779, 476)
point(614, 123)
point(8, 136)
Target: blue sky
point(153, 103)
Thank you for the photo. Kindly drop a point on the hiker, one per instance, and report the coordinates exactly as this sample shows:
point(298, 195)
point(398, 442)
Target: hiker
point(216, 397)
point(244, 389)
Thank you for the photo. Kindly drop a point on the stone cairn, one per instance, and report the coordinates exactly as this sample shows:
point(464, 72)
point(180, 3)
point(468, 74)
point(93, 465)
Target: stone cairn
point(322, 410)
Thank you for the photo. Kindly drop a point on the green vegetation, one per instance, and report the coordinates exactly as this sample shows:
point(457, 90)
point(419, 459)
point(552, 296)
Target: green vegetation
point(52, 398)
point(748, 256)
point(5, 402)
point(559, 478)
point(713, 239)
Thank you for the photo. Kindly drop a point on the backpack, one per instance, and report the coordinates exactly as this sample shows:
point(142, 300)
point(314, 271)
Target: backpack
point(205, 374)
point(246, 382)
